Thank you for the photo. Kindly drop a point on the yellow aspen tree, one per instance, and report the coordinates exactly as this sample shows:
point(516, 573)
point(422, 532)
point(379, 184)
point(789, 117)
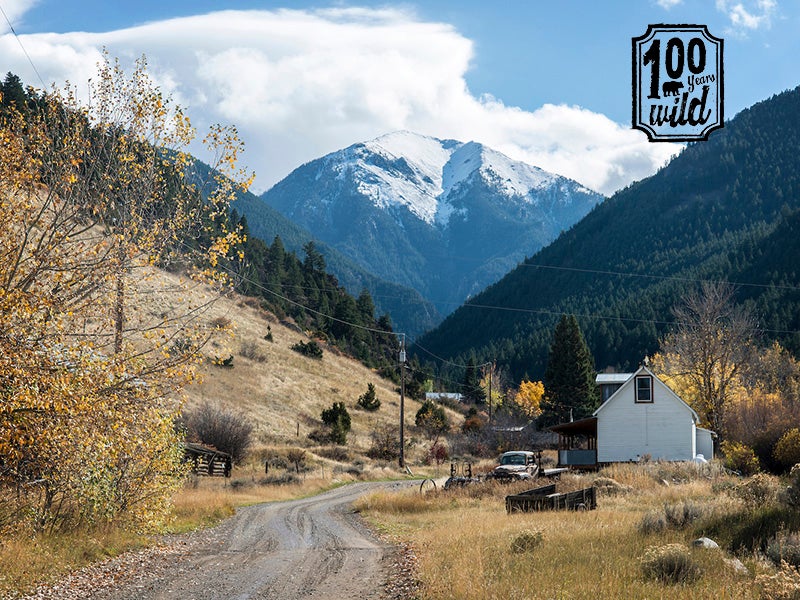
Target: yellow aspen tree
point(528, 398)
point(95, 349)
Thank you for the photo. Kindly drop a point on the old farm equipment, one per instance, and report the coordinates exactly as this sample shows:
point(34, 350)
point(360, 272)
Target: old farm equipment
point(546, 498)
point(460, 475)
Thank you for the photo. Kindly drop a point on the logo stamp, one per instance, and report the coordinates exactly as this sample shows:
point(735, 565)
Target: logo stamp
point(678, 83)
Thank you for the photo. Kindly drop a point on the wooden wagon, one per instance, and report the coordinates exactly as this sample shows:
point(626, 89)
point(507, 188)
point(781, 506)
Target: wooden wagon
point(546, 498)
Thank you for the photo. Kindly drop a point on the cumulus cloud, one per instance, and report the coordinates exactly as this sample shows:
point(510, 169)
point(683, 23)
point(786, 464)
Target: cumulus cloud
point(748, 16)
point(299, 84)
point(12, 11)
point(667, 4)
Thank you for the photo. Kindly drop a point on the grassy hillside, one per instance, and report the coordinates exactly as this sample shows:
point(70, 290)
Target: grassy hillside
point(276, 387)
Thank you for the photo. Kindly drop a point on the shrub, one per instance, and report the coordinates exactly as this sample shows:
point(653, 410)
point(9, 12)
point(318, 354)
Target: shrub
point(472, 423)
point(225, 430)
point(784, 547)
point(672, 563)
point(676, 516)
point(432, 419)
point(368, 400)
point(338, 420)
point(610, 487)
point(336, 453)
point(526, 540)
point(783, 585)
point(297, 457)
point(740, 458)
point(310, 349)
point(791, 495)
point(285, 478)
point(682, 514)
point(223, 362)
point(787, 450)
point(759, 490)
point(437, 454)
point(652, 522)
point(220, 323)
point(249, 349)
point(320, 435)
point(385, 443)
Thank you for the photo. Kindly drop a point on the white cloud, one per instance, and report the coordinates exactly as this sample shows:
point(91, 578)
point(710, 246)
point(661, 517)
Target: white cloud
point(299, 84)
point(748, 16)
point(668, 4)
point(14, 11)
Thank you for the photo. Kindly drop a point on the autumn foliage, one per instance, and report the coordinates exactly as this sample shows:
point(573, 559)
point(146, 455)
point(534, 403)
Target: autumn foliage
point(94, 352)
point(529, 398)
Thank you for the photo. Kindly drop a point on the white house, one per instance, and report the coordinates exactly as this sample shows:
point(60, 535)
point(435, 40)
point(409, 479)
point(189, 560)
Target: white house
point(640, 417)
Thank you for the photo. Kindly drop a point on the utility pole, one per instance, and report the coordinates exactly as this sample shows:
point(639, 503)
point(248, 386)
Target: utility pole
point(402, 399)
point(491, 368)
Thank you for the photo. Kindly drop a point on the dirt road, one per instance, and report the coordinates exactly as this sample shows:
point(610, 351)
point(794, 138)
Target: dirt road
point(310, 548)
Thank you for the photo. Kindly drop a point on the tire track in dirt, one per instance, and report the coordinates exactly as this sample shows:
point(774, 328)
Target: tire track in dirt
point(309, 548)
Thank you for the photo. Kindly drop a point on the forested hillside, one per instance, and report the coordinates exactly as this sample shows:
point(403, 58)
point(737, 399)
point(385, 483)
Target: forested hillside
point(305, 291)
point(410, 312)
point(723, 209)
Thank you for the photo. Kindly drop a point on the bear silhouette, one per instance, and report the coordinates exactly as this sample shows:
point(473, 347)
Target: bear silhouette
point(671, 88)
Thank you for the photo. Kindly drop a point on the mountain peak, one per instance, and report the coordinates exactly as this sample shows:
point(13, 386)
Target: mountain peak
point(422, 173)
point(405, 205)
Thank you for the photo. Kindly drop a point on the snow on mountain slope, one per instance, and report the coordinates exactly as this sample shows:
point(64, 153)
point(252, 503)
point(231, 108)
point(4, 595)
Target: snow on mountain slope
point(421, 172)
point(444, 217)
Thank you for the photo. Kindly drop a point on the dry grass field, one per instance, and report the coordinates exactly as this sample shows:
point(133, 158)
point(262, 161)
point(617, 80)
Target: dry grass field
point(281, 391)
point(463, 540)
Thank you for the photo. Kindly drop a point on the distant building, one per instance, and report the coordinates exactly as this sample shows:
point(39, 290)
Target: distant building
point(444, 397)
point(640, 417)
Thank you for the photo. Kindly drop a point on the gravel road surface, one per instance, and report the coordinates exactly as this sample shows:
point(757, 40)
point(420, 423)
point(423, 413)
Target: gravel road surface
point(310, 548)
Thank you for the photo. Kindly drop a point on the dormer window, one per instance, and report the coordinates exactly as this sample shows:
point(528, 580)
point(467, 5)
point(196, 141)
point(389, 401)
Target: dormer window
point(644, 388)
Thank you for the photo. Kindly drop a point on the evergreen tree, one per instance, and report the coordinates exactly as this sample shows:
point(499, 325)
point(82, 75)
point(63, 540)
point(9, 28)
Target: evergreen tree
point(368, 400)
point(473, 391)
point(314, 260)
point(338, 419)
point(13, 93)
point(569, 380)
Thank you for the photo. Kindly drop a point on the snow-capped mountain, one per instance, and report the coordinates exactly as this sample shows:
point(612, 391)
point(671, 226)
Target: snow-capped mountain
point(446, 217)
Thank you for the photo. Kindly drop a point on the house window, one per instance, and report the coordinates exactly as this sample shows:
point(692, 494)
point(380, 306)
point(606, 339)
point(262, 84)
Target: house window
point(644, 389)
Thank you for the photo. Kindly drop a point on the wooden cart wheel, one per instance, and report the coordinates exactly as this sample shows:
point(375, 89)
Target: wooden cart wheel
point(426, 486)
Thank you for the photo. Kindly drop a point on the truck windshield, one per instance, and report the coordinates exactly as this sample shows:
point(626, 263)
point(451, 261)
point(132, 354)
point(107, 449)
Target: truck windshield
point(512, 459)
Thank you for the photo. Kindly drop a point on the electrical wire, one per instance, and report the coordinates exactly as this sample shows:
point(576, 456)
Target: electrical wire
point(21, 45)
point(663, 277)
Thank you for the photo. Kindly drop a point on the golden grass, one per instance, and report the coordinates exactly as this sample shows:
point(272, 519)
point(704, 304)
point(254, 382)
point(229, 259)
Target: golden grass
point(26, 562)
point(283, 392)
point(29, 561)
point(463, 541)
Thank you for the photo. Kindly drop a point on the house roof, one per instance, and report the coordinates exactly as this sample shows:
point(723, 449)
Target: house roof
point(586, 426)
point(605, 378)
point(646, 371)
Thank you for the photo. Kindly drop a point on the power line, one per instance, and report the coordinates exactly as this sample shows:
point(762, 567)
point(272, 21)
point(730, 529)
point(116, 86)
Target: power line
point(309, 309)
point(24, 51)
point(662, 277)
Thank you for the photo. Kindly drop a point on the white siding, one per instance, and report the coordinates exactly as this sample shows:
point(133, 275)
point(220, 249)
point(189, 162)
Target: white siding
point(705, 445)
point(627, 430)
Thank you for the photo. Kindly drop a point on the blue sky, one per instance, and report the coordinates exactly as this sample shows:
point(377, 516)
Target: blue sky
point(547, 82)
